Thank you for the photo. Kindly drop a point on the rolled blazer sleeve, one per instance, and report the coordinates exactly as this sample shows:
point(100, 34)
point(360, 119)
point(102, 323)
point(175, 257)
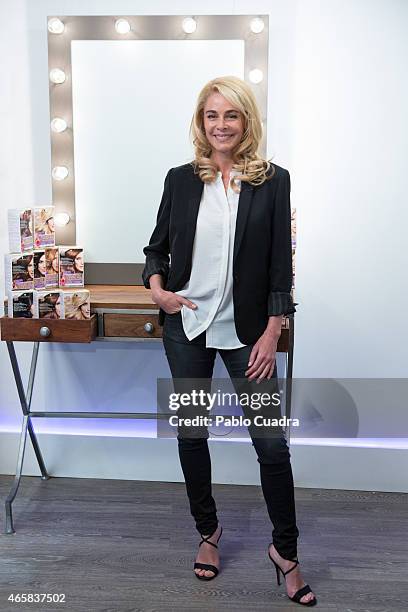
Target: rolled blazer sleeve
point(157, 251)
point(280, 272)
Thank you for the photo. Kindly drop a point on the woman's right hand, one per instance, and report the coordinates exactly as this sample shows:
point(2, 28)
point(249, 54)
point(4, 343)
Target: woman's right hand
point(170, 302)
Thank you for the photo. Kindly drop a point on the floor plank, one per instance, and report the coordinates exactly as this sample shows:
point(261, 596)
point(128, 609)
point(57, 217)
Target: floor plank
point(119, 546)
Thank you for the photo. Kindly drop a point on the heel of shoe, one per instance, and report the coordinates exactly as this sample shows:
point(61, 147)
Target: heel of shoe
point(277, 568)
point(277, 573)
point(302, 591)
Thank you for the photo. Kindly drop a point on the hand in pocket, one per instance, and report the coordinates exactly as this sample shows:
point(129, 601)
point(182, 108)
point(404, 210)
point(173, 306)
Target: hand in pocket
point(171, 302)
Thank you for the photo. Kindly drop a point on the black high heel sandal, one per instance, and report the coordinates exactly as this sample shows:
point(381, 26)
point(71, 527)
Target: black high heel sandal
point(207, 566)
point(301, 592)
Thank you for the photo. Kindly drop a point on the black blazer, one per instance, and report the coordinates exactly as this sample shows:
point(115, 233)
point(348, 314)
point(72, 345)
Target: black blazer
point(262, 260)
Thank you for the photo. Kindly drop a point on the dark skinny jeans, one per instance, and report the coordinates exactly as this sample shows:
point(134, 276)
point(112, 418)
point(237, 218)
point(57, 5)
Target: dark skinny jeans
point(192, 359)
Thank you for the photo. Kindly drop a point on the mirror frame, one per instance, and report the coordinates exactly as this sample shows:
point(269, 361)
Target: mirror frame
point(143, 27)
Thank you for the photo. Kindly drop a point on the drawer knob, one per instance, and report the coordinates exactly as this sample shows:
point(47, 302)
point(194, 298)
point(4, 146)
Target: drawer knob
point(45, 332)
point(148, 327)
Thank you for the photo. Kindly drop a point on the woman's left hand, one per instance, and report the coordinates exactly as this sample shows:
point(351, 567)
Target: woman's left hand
point(262, 358)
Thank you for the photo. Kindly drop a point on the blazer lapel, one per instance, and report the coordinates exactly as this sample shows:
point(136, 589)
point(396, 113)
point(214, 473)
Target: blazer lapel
point(244, 203)
point(195, 191)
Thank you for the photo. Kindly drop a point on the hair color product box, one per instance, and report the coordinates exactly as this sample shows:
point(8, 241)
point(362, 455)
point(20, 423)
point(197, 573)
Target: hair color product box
point(52, 267)
point(48, 304)
point(71, 266)
point(20, 304)
point(19, 271)
point(39, 269)
point(44, 229)
point(77, 304)
point(20, 229)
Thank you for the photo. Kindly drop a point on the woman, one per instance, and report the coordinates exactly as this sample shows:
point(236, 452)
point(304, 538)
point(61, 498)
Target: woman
point(50, 226)
point(45, 221)
point(71, 267)
point(23, 272)
point(30, 267)
point(52, 264)
point(51, 306)
point(26, 223)
point(78, 307)
point(51, 256)
point(39, 264)
point(77, 257)
point(225, 220)
point(39, 269)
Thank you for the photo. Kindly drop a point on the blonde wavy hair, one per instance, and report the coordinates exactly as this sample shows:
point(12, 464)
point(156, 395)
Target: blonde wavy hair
point(246, 160)
point(73, 305)
point(42, 218)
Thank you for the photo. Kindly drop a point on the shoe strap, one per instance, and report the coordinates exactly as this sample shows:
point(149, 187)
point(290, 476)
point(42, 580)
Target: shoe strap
point(300, 593)
point(296, 562)
point(207, 539)
point(206, 566)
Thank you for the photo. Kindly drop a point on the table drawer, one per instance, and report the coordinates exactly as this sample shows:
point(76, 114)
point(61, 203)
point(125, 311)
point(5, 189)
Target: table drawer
point(118, 325)
point(54, 330)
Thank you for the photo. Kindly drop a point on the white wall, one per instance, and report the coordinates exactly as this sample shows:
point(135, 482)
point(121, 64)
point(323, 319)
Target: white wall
point(349, 134)
point(337, 121)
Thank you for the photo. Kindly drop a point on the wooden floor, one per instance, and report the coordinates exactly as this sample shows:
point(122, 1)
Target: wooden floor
point(113, 545)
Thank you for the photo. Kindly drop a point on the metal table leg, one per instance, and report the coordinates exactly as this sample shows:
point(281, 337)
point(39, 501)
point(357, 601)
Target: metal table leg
point(25, 401)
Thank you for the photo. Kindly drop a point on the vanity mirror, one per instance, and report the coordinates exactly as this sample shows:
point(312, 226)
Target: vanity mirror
point(122, 94)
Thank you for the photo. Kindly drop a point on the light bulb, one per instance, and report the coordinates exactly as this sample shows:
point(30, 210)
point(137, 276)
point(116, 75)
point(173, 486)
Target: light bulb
point(189, 25)
point(58, 125)
point(257, 25)
point(62, 219)
point(122, 26)
point(59, 173)
point(55, 26)
point(255, 75)
point(57, 75)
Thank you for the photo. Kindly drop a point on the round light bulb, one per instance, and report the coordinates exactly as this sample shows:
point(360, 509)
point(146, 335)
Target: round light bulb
point(56, 26)
point(122, 26)
point(57, 75)
point(189, 25)
point(62, 219)
point(58, 125)
point(59, 173)
point(257, 25)
point(255, 75)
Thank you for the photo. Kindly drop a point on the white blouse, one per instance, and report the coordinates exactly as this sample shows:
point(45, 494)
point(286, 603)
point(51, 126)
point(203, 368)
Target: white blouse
point(210, 283)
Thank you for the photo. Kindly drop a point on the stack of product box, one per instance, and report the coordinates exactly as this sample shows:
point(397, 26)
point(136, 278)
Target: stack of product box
point(42, 280)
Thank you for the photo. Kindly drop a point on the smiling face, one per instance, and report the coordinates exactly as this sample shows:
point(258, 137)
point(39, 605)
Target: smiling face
point(223, 124)
point(51, 225)
point(54, 262)
point(79, 262)
point(41, 265)
point(85, 309)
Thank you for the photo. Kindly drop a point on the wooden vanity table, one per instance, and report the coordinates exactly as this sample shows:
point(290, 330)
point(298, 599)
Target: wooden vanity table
point(118, 312)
